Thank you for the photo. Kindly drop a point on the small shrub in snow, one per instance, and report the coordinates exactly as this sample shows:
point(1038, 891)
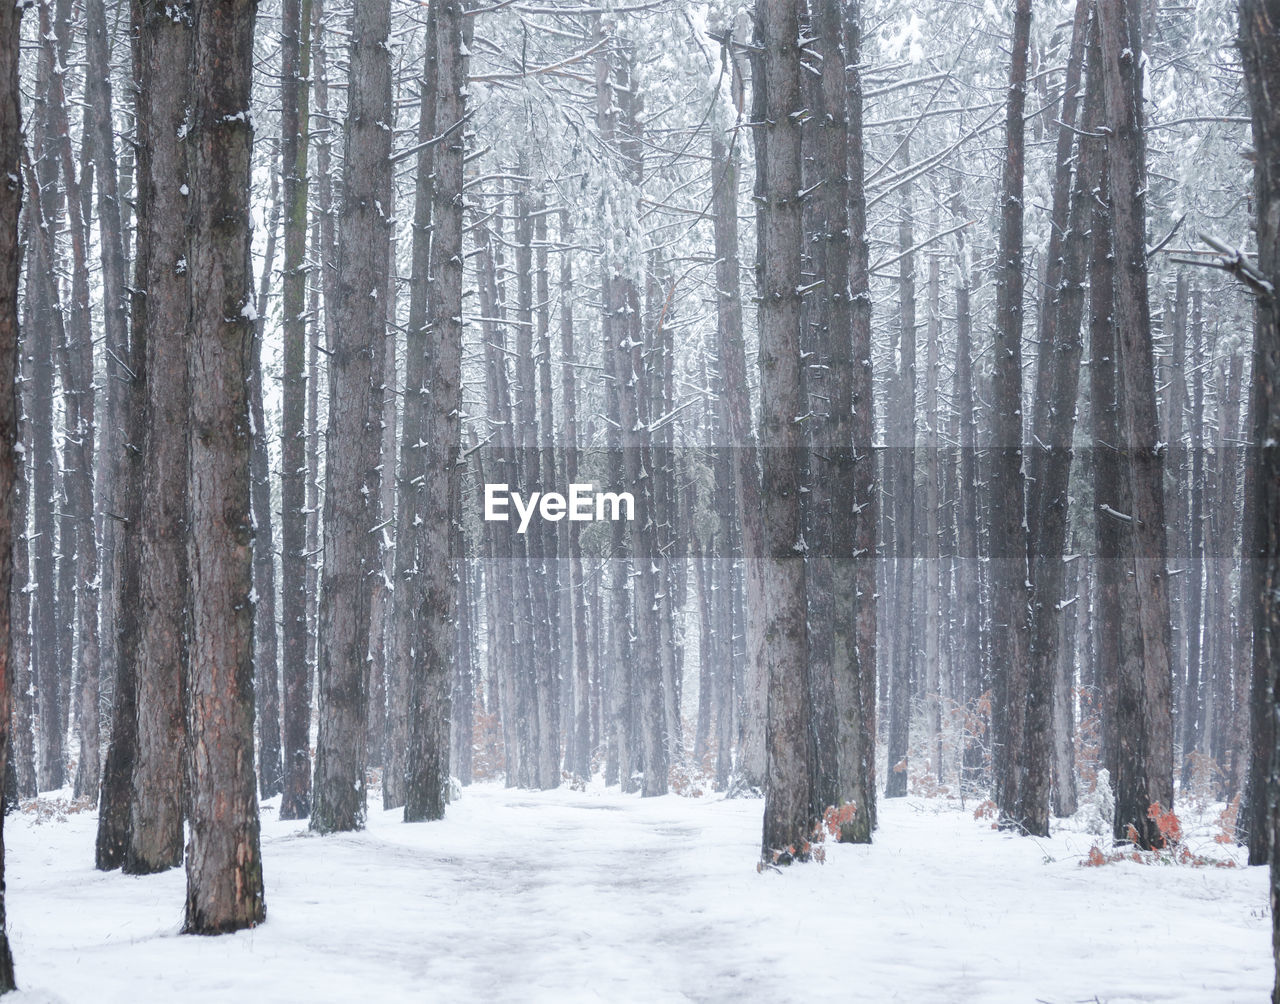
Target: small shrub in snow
point(1227, 820)
point(48, 808)
point(1207, 779)
point(488, 756)
point(693, 779)
point(1097, 810)
point(1172, 850)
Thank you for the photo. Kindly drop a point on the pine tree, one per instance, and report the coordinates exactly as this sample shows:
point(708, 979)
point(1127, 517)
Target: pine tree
point(788, 819)
point(224, 860)
point(10, 253)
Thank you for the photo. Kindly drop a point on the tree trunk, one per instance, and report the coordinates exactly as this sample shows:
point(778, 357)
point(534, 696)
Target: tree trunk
point(1009, 613)
point(1192, 704)
point(581, 765)
point(427, 766)
point(266, 648)
point(968, 649)
point(47, 318)
point(78, 543)
point(159, 546)
point(900, 439)
point(409, 574)
point(224, 861)
point(22, 742)
point(843, 213)
point(1260, 47)
point(1144, 724)
point(749, 763)
point(1104, 412)
point(553, 659)
point(788, 817)
point(115, 319)
point(10, 258)
point(295, 669)
point(1049, 708)
point(357, 340)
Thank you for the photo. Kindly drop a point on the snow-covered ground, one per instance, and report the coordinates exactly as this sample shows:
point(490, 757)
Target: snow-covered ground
point(582, 896)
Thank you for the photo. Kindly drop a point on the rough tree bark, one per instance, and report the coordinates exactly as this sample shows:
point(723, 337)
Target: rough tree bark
point(866, 499)
point(158, 649)
point(900, 439)
point(77, 540)
point(224, 860)
point(1260, 47)
point(10, 258)
point(1144, 723)
point(427, 764)
point(40, 343)
point(846, 278)
point(788, 820)
point(1053, 429)
point(1010, 629)
point(357, 342)
point(115, 817)
point(295, 670)
point(115, 318)
point(409, 573)
point(749, 764)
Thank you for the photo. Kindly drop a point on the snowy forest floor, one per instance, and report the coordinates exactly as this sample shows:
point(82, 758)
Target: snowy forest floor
point(580, 896)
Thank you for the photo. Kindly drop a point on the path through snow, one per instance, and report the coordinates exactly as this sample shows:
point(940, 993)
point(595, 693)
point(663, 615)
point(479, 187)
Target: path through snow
point(583, 896)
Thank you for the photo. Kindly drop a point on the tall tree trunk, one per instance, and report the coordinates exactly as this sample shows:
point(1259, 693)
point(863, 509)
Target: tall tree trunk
point(750, 761)
point(788, 818)
point(295, 669)
point(22, 740)
point(47, 319)
point(552, 667)
point(224, 861)
point(158, 544)
point(115, 319)
point(266, 649)
point(357, 340)
point(544, 766)
point(632, 372)
point(968, 648)
point(581, 765)
point(322, 303)
point(409, 573)
point(1009, 615)
point(77, 538)
point(10, 257)
point(1144, 724)
point(427, 766)
point(900, 439)
point(616, 664)
point(115, 815)
point(1104, 412)
point(499, 550)
point(1219, 565)
point(866, 487)
point(1179, 502)
point(1260, 47)
point(931, 556)
point(843, 212)
point(1192, 703)
point(1049, 707)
